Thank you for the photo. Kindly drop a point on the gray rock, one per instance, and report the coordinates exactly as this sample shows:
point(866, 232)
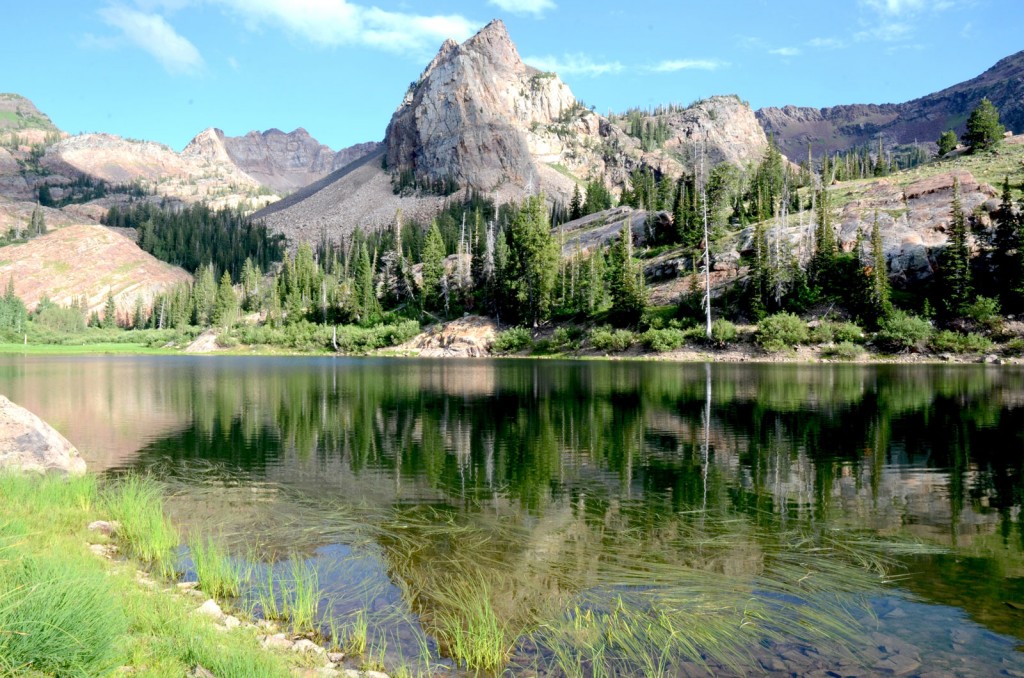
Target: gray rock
point(307, 645)
point(29, 444)
point(277, 641)
point(211, 609)
point(200, 671)
point(106, 528)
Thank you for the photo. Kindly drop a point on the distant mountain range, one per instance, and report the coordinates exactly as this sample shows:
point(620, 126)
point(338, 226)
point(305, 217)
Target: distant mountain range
point(841, 128)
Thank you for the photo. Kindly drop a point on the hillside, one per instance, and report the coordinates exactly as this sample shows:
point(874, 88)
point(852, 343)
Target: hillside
point(841, 128)
point(86, 262)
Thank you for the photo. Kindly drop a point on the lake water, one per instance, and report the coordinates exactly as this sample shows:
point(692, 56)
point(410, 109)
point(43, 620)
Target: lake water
point(610, 518)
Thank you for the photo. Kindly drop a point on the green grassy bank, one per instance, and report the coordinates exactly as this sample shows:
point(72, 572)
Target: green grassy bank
point(64, 611)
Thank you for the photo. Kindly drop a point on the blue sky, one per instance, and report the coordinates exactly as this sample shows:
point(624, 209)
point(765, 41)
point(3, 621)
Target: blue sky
point(166, 69)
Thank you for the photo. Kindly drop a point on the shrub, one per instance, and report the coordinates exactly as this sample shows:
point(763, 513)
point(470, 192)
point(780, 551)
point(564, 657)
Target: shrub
point(985, 311)
point(663, 340)
point(827, 331)
point(845, 350)
point(568, 338)
point(780, 331)
point(225, 340)
point(946, 341)
point(901, 331)
point(606, 339)
point(1014, 346)
point(723, 331)
point(512, 340)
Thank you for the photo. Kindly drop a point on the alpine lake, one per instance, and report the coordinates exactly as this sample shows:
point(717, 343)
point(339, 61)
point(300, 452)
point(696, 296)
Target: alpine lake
point(588, 518)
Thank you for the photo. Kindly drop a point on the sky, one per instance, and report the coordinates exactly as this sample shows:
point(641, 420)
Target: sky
point(164, 70)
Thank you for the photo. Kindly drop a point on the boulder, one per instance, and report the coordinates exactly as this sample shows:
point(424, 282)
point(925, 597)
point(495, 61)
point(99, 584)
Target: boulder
point(27, 443)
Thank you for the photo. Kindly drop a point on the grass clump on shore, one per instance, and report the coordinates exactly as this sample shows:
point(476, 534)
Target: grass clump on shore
point(218, 574)
point(144, 532)
point(66, 612)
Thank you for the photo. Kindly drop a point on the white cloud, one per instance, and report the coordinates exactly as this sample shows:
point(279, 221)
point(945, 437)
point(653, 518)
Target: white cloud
point(886, 32)
point(574, 64)
point(826, 43)
point(904, 7)
point(152, 33)
point(534, 7)
point(339, 22)
point(673, 65)
point(785, 51)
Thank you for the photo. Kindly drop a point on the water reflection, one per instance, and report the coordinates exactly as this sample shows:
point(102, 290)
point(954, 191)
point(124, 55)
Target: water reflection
point(563, 476)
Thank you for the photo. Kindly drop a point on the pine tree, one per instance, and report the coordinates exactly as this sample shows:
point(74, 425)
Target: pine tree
point(433, 267)
point(109, 313)
point(1009, 251)
point(533, 260)
point(946, 143)
point(881, 290)
point(826, 248)
point(983, 128)
point(36, 224)
point(576, 204)
point(250, 285)
point(204, 295)
point(956, 261)
point(626, 279)
point(366, 305)
point(226, 305)
point(760, 274)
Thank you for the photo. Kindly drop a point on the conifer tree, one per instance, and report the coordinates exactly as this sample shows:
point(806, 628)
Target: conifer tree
point(36, 224)
point(881, 290)
point(955, 260)
point(1009, 251)
point(533, 260)
point(226, 306)
point(984, 130)
point(946, 143)
point(626, 279)
point(204, 294)
point(109, 313)
point(576, 204)
point(433, 267)
point(826, 248)
point(250, 285)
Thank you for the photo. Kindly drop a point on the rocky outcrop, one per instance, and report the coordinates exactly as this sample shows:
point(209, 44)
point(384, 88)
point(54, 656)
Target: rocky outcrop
point(466, 117)
point(842, 128)
point(21, 115)
point(280, 161)
point(468, 337)
point(29, 444)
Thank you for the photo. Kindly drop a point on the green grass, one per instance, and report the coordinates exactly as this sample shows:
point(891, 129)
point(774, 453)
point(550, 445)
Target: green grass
point(65, 612)
point(219, 575)
point(301, 595)
point(145, 532)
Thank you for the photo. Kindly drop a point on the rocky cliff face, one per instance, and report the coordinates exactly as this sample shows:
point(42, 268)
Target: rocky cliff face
point(467, 117)
point(922, 120)
point(282, 162)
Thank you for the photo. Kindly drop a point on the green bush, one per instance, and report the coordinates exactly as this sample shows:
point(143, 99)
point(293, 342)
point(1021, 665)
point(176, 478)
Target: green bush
point(60, 319)
point(668, 339)
point(723, 331)
point(1014, 346)
point(607, 339)
point(827, 332)
point(512, 340)
point(985, 311)
point(225, 340)
point(568, 338)
point(901, 331)
point(954, 342)
point(781, 331)
point(844, 350)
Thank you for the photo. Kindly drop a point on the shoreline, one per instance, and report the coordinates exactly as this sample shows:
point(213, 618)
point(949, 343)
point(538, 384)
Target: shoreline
point(734, 354)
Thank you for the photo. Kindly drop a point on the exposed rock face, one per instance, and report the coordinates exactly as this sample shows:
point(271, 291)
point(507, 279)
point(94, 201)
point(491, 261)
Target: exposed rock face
point(467, 116)
point(914, 221)
point(27, 443)
point(922, 120)
point(280, 161)
point(86, 262)
point(468, 337)
point(202, 172)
